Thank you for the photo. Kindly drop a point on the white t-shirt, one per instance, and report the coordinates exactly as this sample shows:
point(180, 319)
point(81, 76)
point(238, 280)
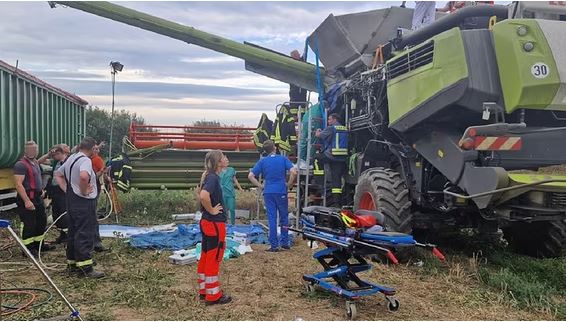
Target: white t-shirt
point(424, 14)
point(83, 164)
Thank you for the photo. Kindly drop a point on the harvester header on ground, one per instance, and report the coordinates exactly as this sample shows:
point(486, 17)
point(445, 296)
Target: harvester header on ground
point(192, 137)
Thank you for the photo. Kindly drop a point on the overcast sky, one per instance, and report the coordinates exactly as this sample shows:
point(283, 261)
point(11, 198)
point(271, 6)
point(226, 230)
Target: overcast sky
point(164, 80)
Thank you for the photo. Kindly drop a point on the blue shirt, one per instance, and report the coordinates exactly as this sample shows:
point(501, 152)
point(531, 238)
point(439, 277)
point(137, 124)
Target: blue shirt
point(274, 168)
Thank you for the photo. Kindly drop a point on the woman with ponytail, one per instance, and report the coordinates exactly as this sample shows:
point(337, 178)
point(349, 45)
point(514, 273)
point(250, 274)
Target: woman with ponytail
point(213, 230)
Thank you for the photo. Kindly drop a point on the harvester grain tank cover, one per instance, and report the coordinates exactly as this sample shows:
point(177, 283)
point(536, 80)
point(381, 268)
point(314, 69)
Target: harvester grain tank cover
point(347, 42)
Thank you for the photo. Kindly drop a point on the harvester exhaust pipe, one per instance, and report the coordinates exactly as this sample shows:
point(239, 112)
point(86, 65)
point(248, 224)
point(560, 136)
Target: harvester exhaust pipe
point(449, 22)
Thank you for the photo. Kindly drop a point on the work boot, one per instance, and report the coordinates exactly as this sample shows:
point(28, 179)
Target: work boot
point(32, 250)
point(272, 250)
point(286, 247)
point(89, 272)
point(46, 247)
point(72, 269)
point(62, 239)
point(100, 248)
point(224, 299)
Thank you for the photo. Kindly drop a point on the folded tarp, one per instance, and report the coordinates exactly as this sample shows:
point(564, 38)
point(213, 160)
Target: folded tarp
point(120, 231)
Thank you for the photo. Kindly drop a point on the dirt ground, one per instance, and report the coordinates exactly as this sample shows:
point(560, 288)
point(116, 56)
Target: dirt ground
point(142, 285)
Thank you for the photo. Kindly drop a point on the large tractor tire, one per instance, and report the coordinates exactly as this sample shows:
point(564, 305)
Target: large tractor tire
point(385, 190)
point(538, 239)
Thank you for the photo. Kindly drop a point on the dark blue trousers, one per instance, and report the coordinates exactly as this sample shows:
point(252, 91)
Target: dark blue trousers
point(277, 203)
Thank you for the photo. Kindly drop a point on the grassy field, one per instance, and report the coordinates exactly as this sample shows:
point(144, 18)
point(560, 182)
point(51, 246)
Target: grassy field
point(476, 283)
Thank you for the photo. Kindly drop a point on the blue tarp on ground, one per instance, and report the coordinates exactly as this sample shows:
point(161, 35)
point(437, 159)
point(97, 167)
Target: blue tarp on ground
point(186, 236)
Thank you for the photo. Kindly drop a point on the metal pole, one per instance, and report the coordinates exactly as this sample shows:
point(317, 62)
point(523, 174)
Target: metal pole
point(298, 192)
point(309, 152)
point(74, 312)
point(112, 115)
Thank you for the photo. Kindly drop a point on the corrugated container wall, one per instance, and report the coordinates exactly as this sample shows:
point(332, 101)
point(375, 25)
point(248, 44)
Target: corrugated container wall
point(31, 109)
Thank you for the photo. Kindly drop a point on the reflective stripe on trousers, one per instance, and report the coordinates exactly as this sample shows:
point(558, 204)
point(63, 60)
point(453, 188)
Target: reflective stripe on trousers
point(84, 263)
point(213, 245)
point(201, 284)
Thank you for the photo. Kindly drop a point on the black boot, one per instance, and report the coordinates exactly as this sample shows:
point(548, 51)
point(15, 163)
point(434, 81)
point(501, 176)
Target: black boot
point(46, 247)
point(32, 250)
point(62, 239)
point(89, 272)
point(72, 269)
point(100, 248)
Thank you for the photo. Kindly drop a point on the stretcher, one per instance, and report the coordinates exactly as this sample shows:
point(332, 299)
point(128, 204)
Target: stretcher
point(350, 238)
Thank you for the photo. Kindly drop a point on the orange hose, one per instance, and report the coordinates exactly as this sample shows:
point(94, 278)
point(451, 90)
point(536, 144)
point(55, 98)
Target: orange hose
point(23, 307)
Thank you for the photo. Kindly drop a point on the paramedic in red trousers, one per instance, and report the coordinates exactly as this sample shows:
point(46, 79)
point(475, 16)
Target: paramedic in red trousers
point(335, 154)
point(77, 178)
point(213, 230)
point(274, 167)
point(27, 176)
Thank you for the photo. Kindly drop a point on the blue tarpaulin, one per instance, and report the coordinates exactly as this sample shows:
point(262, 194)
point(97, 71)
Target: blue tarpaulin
point(186, 236)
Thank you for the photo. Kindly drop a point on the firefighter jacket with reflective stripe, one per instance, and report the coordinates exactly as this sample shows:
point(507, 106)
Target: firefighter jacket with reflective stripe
point(337, 144)
point(262, 132)
point(284, 133)
point(121, 172)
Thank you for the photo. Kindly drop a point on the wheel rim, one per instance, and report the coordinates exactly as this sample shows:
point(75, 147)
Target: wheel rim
point(367, 202)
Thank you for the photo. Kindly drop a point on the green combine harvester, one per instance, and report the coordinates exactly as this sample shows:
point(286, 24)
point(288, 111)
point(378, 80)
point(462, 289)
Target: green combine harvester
point(440, 118)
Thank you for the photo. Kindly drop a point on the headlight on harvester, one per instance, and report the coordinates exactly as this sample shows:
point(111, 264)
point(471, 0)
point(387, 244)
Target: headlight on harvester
point(536, 197)
point(522, 31)
point(528, 46)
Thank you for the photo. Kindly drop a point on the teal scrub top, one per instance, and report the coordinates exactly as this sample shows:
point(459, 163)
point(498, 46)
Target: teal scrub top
point(227, 182)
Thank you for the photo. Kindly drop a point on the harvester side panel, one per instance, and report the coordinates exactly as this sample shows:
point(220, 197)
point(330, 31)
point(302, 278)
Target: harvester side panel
point(444, 73)
point(554, 31)
point(443, 97)
point(532, 79)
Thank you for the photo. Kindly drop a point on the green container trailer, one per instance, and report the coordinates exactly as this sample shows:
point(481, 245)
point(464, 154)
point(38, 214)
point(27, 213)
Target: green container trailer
point(31, 109)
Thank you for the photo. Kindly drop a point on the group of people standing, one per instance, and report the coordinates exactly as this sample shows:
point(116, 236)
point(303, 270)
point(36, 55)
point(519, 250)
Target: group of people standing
point(73, 187)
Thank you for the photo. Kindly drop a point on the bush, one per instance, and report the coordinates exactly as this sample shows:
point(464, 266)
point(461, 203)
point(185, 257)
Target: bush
point(150, 207)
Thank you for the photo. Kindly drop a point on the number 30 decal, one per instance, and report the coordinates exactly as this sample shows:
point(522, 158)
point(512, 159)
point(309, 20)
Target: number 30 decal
point(540, 70)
